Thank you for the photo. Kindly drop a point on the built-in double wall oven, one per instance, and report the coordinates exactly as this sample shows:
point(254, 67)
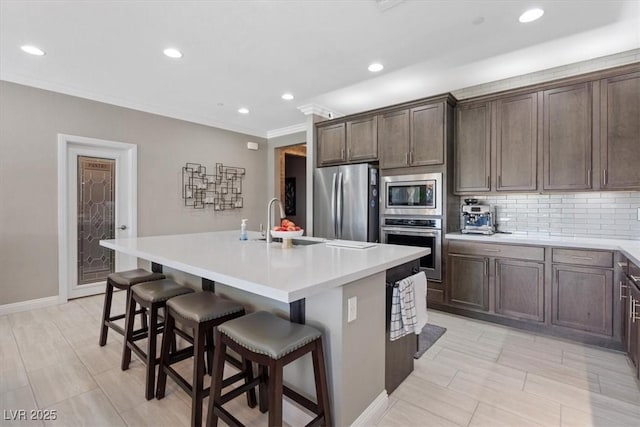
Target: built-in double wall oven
point(411, 214)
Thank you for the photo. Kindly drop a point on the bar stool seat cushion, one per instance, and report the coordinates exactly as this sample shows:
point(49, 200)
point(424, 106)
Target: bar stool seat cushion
point(132, 277)
point(265, 333)
point(159, 290)
point(203, 306)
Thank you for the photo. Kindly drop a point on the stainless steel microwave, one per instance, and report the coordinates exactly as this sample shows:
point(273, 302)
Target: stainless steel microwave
point(412, 194)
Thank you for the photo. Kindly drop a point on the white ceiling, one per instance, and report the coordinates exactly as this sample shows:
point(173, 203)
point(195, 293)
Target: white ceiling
point(247, 53)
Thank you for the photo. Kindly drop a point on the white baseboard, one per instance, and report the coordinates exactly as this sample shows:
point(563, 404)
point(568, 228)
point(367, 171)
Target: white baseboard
point(370, 415)
point(28, 305)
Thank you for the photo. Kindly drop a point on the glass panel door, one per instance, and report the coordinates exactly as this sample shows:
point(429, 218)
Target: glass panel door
point(96, 218)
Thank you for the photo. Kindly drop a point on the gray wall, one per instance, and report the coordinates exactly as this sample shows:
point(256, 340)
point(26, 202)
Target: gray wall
point(296, 167)
point(31, 119)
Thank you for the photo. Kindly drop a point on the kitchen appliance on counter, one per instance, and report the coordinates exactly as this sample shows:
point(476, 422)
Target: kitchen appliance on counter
point(345, 203)
point(476, 218)
point(417, 231)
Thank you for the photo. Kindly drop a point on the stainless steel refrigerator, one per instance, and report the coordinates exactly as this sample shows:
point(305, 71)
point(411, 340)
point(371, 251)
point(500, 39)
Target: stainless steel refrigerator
point(345, 203)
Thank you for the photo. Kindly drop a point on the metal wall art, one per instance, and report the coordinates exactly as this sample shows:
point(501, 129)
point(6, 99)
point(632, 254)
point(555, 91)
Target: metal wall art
point(222, 190)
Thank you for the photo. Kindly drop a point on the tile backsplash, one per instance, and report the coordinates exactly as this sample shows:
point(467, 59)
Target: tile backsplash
point(590, 214)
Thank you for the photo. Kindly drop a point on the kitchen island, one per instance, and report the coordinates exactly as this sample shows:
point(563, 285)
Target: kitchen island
point(311, 283)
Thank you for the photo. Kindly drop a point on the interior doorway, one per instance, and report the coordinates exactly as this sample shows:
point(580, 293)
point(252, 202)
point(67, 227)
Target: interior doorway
point(97, 183)
point(292, 188)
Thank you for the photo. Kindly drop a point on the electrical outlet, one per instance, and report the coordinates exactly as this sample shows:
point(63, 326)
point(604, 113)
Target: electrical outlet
point(352, 309)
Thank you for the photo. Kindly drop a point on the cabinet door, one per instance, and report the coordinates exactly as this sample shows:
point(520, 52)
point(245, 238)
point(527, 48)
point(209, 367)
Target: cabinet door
point(469, 281)
point(393, 133)
point(567, 137)
point(633, 325)
point(520, 289)
point(517, 143)
point(582, 298)
point(620, 132)
point(331, 144)
point(427, 135)
point(473, 147)
point(362, 139)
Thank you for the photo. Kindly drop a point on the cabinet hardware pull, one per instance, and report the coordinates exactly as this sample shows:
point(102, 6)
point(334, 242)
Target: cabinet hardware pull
point(488, 182)
point(589, 178)
point(342, 153)
point(406, 159)
point(634, 306)
point(486, 267)
point(348, 153)
point(622, 264)
point(492, 250)
point(635, 279)
point(604, 177)
point(500, 181)
point(623, 286)
point(586, 258)
point(411, 156)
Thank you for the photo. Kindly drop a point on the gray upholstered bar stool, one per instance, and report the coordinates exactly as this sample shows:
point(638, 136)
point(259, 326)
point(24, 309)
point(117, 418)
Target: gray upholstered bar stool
point(201, 311)
point(271, 342)
point(123, 280)
point(151, 296)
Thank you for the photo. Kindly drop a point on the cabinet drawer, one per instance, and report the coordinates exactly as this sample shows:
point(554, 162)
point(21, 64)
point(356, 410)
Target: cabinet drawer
point(582, 257)
point(532, 253)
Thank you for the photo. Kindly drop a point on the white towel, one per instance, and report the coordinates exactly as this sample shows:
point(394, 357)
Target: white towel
point(420, 290)
point(403, 309)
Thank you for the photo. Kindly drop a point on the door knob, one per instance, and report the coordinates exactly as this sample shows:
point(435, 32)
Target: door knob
point(123, 227)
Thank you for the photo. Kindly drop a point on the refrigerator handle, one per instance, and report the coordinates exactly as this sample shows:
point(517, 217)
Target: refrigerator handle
point(340, 200)
point(334, 223)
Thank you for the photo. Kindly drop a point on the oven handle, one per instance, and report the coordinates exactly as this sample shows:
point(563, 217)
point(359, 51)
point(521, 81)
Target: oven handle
point(412, 231)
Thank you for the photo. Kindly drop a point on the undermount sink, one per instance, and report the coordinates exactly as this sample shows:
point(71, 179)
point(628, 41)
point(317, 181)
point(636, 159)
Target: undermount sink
point(296, 242)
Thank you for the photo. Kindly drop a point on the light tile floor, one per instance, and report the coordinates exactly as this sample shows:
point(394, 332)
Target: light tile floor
point(477, 374)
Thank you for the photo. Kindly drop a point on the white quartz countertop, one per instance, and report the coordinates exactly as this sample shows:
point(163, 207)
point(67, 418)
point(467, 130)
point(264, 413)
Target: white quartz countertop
point(268, 270)
point(630, 248)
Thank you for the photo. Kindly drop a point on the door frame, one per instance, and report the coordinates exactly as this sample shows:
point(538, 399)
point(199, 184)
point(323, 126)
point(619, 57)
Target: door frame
point(129, 160)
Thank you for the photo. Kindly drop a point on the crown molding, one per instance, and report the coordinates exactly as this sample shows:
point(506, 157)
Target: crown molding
point(124, 103)
point(319, 110)
point(287, 130)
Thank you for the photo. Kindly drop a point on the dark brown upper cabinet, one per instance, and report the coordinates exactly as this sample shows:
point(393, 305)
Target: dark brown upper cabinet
point(332, 144)
point(620, 132)
point(393, 130)
point(353, 141)
point(516, 143)
point(413, 137)
point(566, 137)
point(362, 139)
point(473, 147)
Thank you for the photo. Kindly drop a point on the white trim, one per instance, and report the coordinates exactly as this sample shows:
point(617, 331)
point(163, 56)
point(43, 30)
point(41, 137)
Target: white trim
point(319, 110)
point(130, 162)
point(288, 130)
point(366, 418)
point(31, 304)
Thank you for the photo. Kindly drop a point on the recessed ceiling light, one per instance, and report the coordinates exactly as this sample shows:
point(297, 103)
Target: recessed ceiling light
point(172, 53)
point(531, 15)
point(243, 110)
point(32, 50)
point(287, 96)
point(375, 67)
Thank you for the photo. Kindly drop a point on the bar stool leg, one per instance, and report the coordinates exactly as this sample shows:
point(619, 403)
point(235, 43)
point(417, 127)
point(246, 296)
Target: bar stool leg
point(210, 349)
point(263, 373)
point(106, 313)
point(199, 337)
point(275, 393)
point(151, 352)
point(216, 380)
point(322, 390)
point(251, 394)
point(167, 337)
point(128, 331)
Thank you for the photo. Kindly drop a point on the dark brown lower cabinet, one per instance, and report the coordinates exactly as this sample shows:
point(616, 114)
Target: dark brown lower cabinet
point(582, 299)
point(520, 289)
point(632, 317)
point(469, 281)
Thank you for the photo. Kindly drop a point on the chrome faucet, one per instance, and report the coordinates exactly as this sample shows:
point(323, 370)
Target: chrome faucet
point(269, 219)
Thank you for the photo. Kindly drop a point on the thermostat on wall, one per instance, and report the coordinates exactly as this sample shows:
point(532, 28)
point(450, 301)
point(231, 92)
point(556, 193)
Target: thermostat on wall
point(252, 145)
